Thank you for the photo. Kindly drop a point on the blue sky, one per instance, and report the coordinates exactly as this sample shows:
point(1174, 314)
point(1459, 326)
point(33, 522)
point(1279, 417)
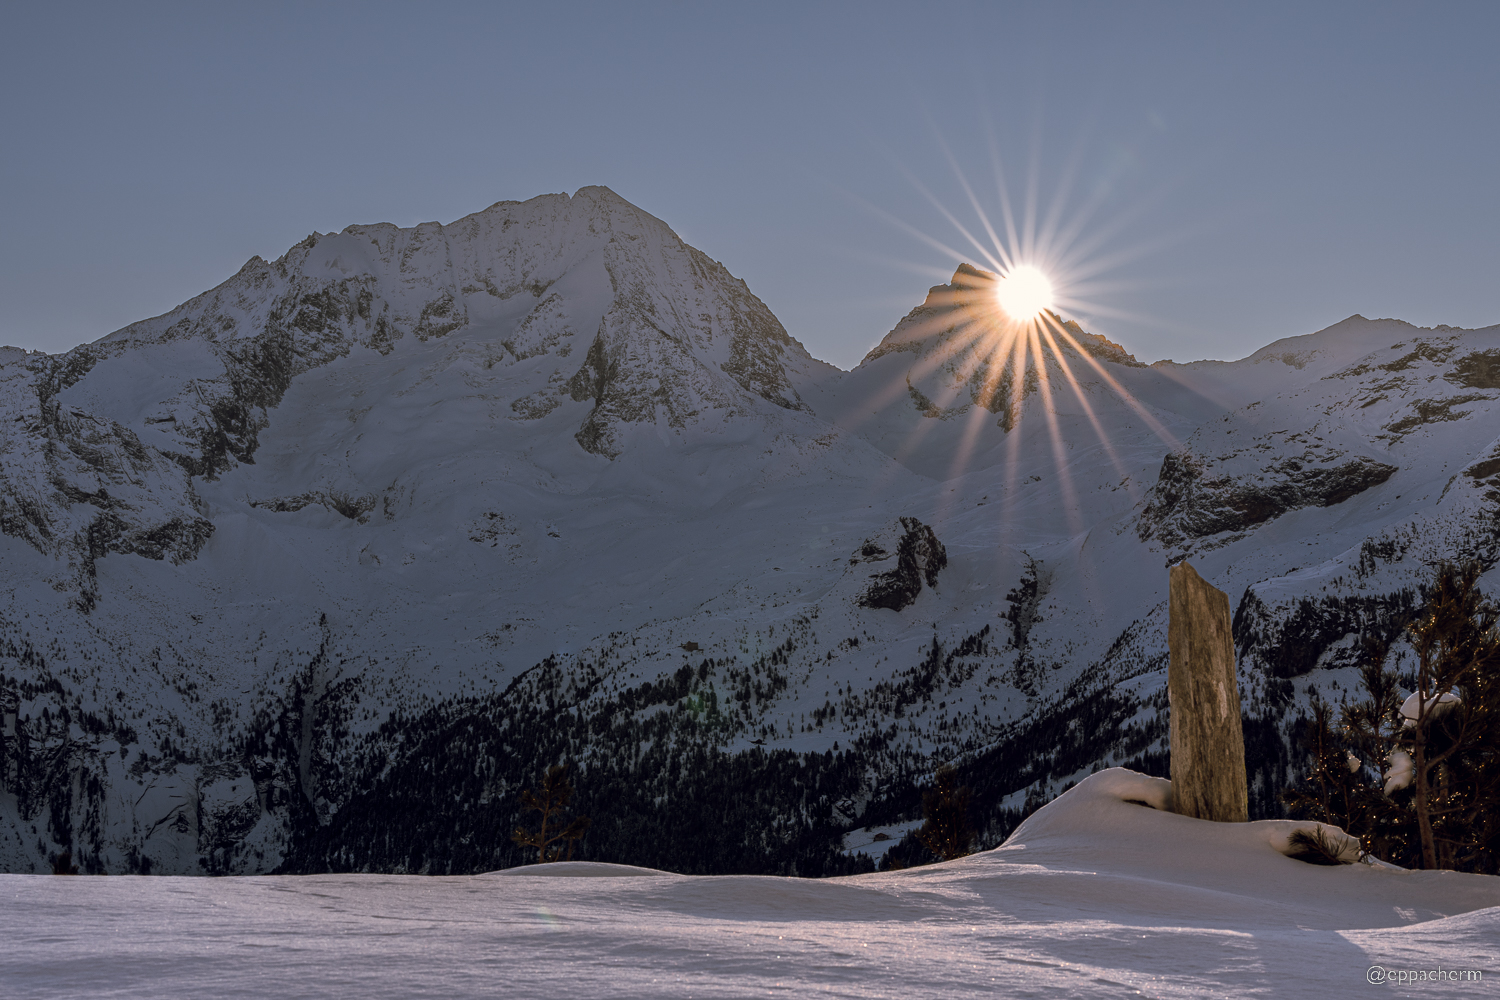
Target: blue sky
point(1238, 173)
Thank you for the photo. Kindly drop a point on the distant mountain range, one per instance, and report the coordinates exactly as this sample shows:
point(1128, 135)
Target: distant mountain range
point(320, 569)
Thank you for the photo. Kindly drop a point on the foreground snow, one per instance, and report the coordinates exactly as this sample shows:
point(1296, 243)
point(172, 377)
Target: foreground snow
point(1093, 896)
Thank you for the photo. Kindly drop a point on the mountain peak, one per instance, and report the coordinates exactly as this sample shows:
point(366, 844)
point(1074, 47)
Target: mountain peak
point(966, 280)
point(945, 321)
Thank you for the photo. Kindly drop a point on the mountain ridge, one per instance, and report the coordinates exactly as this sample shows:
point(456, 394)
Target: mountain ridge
point(318, 570)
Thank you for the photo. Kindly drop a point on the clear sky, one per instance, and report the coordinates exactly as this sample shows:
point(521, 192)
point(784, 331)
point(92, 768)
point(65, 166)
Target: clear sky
point(1234, 173)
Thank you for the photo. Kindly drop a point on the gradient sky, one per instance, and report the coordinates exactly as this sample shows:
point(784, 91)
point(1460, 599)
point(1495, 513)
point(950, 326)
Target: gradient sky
point(1241, 172)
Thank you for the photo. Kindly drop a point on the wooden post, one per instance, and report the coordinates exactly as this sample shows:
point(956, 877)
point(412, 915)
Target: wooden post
point(1208, 744)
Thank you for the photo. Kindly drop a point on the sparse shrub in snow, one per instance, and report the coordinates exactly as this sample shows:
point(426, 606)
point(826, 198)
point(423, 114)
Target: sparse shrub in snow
point(1321, 844)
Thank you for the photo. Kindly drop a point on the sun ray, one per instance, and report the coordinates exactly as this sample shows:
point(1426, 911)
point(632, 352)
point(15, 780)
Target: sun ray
point(1156, 426)
point(1033, 193)
point(978, 419)
point(1051, 228)
point(905, 227)
point(1059, 452)
point(1003, 190)
point(1013, 437)
point(920, 370)
point(1082, 397)
point(1005, 262)
point(953, 220)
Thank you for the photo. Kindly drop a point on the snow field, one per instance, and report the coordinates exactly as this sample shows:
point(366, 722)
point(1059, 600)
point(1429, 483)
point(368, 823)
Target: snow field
point(1093, 896)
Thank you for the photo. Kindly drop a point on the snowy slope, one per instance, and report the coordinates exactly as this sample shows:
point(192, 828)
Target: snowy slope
point(1093, 896)
point(361, 540)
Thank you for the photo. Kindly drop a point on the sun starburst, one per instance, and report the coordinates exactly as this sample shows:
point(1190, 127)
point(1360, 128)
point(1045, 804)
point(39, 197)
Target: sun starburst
point(1000, 337)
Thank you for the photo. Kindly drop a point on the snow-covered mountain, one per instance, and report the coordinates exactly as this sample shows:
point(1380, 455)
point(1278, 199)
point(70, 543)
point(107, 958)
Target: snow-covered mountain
point(320, 569)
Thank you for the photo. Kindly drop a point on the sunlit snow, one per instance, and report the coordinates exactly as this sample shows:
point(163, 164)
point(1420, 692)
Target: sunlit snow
point(1093, 896)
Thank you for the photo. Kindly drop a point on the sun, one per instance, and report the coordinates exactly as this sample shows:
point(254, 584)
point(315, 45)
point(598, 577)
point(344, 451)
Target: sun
point(1024, 292)
point(994, 334)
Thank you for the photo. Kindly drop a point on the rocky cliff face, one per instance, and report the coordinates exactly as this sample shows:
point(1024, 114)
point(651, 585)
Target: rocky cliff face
point(320, 569)
point(76, 486)
point(1190, 502)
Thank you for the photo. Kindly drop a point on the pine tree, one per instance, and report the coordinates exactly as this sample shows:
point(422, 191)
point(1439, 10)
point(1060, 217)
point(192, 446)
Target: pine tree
point(1436, 804)
point(553, 798)
point(1451, 732)
point(1337, 789)
point(945, 807)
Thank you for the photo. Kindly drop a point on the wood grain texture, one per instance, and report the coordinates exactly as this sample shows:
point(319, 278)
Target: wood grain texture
point(1208, 743)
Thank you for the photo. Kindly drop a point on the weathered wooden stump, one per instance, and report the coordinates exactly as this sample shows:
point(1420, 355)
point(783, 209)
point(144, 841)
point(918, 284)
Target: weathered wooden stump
point(1208, 743)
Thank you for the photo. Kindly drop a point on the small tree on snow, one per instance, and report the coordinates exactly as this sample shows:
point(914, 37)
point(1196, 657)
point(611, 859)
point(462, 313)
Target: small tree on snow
point(550, 801)
point(945, 807)
point(1337, 790)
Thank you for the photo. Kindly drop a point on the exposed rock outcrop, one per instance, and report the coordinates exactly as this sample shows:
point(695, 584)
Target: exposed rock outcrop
point(919, 558)
point(1189, 501)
